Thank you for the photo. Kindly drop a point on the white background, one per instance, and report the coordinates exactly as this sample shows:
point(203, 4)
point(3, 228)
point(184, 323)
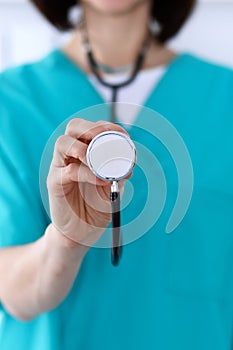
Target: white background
point(26, 36)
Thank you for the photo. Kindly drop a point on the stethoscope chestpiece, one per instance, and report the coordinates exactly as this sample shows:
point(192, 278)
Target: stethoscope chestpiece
point(111, 156)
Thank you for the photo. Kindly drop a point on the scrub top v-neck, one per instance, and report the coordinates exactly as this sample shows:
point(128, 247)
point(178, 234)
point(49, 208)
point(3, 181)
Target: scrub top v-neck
point(170, 291)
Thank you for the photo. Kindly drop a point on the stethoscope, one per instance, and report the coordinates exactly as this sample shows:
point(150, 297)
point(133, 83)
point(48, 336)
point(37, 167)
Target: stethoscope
point(94, 66)
point(111, 155)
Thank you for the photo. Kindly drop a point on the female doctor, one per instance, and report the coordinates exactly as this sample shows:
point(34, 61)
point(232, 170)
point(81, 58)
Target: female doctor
point(169, 291)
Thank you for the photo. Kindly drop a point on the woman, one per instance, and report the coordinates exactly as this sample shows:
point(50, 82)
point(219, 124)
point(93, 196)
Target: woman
point(169, 292)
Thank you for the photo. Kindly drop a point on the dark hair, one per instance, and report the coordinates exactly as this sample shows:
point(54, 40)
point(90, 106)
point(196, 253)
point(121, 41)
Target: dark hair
point(170, 14)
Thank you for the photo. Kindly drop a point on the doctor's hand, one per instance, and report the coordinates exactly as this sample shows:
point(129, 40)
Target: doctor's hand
point(79, 202)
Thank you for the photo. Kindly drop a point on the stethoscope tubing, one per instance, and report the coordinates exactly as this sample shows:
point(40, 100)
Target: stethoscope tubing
point(116, 224)
point(115, 195)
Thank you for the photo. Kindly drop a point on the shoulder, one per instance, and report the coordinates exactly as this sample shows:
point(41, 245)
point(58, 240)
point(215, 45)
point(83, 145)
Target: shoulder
point(205, 69)
point(203, 81)
point(23, 79)
point(25, 98)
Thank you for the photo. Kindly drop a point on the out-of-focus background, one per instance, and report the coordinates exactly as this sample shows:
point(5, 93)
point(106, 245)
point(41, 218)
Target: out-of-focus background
point(26, 36)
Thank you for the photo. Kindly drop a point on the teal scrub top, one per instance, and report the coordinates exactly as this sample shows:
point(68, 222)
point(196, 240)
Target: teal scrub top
point(170, 291)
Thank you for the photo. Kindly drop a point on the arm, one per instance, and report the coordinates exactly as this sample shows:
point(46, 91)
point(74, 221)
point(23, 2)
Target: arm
point(37, 277)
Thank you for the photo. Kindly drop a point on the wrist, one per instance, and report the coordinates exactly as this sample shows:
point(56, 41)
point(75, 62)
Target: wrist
point(58, 266)
point(65, 244)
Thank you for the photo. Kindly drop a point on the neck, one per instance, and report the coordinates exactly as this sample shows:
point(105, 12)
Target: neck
point(117, 39)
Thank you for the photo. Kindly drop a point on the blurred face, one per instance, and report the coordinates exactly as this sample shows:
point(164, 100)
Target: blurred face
point(114, 7)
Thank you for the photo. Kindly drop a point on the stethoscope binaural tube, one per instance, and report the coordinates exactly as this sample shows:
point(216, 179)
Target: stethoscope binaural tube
point(97, 73)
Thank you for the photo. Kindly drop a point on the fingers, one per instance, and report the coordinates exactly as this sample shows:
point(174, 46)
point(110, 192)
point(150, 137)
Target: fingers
point(85, 131)
point(68, 147)
point(79, 133)
point(78, 172)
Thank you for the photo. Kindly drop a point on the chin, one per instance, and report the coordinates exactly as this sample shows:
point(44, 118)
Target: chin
point(114, 6)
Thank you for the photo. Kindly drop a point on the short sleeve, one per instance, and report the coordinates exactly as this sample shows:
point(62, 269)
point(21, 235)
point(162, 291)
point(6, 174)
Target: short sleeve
point(22, 216)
